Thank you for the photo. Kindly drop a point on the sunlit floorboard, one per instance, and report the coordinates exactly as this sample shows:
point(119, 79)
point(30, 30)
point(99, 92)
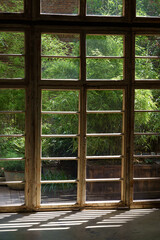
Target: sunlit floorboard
point(140, 224)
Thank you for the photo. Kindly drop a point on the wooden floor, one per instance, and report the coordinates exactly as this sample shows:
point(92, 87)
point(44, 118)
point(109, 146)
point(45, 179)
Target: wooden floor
point(9, 196)
point(136, 224)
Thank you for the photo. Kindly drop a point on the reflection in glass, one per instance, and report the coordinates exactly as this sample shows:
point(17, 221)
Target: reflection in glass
point(59, 124)
point(58, 170)
point(59, 147)
point(105, 191)
point(58, 193)
point(61, 7)
point(10, 6)
point(104, 45)
point(107, 69)
point(101, 146)
point(60, 100)
point(12, 99)
point(105, 8)
point(104, 123)
point(104, 168)
point(104, 99)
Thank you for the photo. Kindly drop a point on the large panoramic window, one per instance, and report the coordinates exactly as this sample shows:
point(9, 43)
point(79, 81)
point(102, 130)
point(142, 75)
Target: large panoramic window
point(79, 104)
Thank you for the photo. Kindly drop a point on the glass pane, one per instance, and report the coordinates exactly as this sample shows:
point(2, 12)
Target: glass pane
point(12, 166)
point(147, 8)
point(59, 124)
point(11, 42)
point(147, 69)
point(107, 69)
point(59, 170)
point(146, 99)
point(146, 144)
point(12, 147)
point(60, 44)
point(105, 8)
point(103, 191)
point(60, 68)
point(147, 122)
point(60, 100)
point(9, 196)
point(104, 123)
point(59, 147)
point(12, 194)
point(12, 99)
point(104, 168)
point(104, 99)
point(147, 45)
point(12, 123)
point(101, 146)
point(12, 67)
point(146, 189)
point(70, 7)
point(12, 6)
point(59, 193)
point(146, 167)
point(104, 45)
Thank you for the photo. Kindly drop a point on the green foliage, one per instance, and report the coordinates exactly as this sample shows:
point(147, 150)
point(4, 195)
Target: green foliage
point(15, 166)
point(12, 147)
point(67, 45)
point(104, 45)
point(56, 175)
point(11, 6)
point(60, 100)
point(147, 46)
point(60, 45)
point(104, 99)
point(12, 66)
point(106, 7)
point(12, 100)
point(147, 8)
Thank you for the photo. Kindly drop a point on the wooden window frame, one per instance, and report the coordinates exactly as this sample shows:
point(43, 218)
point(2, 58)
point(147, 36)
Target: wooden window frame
point(33, 24)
